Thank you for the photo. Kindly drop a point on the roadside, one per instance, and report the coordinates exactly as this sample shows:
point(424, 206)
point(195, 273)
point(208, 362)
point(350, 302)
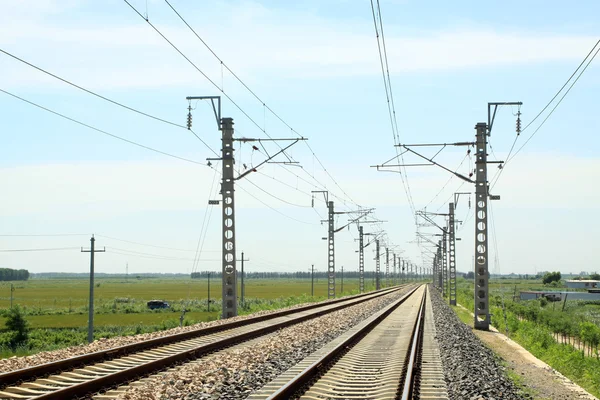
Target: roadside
point(534, 376)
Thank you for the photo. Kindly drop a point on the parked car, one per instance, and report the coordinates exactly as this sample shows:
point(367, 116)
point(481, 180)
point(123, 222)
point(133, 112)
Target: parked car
point(553, 297)
point(157, 304)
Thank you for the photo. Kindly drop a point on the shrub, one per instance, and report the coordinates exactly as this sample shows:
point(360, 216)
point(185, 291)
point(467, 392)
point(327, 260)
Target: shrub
point(16, 322)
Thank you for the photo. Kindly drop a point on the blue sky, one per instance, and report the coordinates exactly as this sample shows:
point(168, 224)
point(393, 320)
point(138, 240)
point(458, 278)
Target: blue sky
point(316, 64)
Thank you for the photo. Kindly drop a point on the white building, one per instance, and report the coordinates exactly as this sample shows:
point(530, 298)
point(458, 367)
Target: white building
point(583, 284)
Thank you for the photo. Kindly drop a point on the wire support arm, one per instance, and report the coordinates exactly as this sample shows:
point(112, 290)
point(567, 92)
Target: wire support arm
point(439, 165)
point(268, 159)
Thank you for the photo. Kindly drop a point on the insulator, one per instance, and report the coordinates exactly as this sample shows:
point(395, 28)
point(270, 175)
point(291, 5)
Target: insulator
point(518, 122)
point(189, 121)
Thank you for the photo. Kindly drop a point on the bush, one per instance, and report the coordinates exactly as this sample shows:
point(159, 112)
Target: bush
point(550, 277)
point(16, 322)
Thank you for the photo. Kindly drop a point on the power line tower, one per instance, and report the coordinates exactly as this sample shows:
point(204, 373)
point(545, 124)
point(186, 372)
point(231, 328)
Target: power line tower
point(402, 276)
point(445, 261)
point(482, 319)
point(395, 280)
point(451, 256)
point(377, 266)
point(361, 260)
point(387, 267)
point(452, 243)
point(439, 266)
point(361, 254)
point(331, 231)
point(228, 267)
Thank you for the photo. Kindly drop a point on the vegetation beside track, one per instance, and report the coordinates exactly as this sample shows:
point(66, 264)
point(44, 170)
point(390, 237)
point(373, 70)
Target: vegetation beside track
point(56, 310)
point(534, 323)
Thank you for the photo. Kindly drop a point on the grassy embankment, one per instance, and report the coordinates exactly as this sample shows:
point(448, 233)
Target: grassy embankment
point(532, 324)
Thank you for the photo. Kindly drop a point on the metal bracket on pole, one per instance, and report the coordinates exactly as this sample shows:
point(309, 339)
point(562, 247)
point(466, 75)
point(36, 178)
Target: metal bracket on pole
point(216, 109)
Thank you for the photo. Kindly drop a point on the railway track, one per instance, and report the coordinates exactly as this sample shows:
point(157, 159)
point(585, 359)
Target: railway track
point(392, 355)
point(86, 375)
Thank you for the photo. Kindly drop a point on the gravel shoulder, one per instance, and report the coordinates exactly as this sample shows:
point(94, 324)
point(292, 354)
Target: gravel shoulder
point(471, 369)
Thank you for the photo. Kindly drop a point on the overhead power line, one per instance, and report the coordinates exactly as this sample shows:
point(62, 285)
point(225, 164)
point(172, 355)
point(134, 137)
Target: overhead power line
point(561, 99)
point(101, 131)
point(266, 106)
point(48, 249)
point(107, 99)
point(509, 157)
point(387, 82)
point(198, 69)
point(46, 235)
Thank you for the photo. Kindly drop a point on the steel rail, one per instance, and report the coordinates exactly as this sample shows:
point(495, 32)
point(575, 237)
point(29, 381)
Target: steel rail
point(322, 364)
point(415, 348)
point(117, 378)
point(37, 371)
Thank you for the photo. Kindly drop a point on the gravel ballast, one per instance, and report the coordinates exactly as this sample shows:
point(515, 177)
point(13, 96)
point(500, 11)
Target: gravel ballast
point(15, 363)
point(237, 372)
point(472, 370)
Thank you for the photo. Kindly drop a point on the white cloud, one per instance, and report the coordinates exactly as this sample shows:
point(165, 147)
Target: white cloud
point(100, 53)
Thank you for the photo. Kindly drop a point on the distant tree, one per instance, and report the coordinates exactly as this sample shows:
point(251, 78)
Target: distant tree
point(16, 322)
point(550, 277)
point(8, 274)
point(595, 276)
point(470, 275)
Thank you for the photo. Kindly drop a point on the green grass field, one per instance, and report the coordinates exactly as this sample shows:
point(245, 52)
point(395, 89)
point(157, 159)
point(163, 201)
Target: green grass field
point(57, 310)
point(63, 303)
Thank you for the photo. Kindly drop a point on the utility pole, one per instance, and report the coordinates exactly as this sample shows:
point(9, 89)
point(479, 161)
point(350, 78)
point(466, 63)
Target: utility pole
point(92, 251)
point(208, 300)
point(312, 281)
point(342, 290)
point(434, 270)
point(331, 254)
point(445, 261)
point(395, 273)
point(377, 267)
point(361, 261)
point(12, 289)
point(229, 288)
point(440, 258)
point(452, 256)
point(127, 273)
point(243, 288)
point(482, 311)
point(402, 272)
point(387, 267)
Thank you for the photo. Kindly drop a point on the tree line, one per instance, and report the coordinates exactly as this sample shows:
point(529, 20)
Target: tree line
point(9, 274)
point(298, 275)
